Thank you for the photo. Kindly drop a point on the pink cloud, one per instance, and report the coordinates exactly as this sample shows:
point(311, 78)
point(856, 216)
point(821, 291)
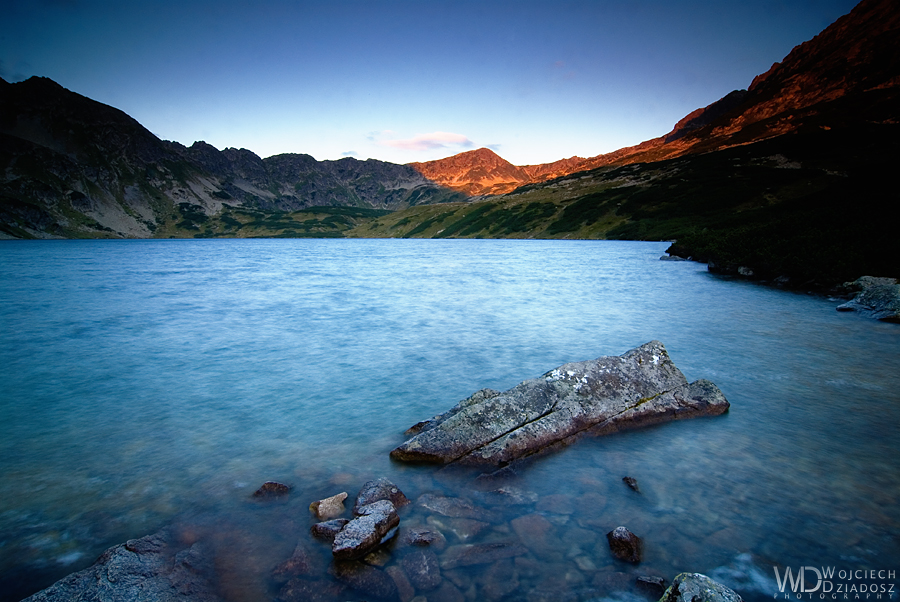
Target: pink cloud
point(430, 141)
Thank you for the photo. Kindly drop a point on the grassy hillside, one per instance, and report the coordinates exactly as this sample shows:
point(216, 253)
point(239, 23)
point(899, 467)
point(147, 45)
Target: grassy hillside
point(189, 221)
point(817, 206)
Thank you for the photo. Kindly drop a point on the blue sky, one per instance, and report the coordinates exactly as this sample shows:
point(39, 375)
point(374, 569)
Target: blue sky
point(409, 81)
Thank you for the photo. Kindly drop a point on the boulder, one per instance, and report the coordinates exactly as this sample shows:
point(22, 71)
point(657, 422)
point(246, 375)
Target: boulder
point(330, 507)
point(599, 397)
point(625, 545)
point(376, 523)
point(694, 587)
point(379, 489)
point(149, 568)
point(876, 297)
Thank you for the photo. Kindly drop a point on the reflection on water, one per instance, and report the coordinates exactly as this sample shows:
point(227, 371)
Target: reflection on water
point(149, 383)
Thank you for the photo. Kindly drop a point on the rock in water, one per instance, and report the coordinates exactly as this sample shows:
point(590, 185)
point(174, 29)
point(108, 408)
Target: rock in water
point(877, 297)
point(601, 396)
point(271, 489)
point(330, 507)
point(694, 587)
point(375, 524)
point(149, 568)
point(625, 545)
point(379, 489)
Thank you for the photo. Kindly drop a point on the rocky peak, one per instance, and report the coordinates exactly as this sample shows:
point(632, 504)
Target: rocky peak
point(476, 172)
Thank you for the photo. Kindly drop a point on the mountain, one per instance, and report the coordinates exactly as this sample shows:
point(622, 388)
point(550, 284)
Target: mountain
point(850, 70)
point(73, 167)
point(482, 172)
point(791, 180)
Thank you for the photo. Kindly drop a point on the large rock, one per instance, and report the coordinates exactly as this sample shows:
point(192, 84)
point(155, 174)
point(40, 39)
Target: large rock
point(598, 397)
point(375, 524)
point(149, 569)
point(877, 297)
point(694, 587)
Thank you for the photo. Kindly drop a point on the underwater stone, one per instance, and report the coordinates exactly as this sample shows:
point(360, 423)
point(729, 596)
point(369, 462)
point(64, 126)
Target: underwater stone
point(272, 489)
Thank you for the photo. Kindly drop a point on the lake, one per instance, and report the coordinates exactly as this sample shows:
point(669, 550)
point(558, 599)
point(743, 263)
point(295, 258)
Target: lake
point(154, 382)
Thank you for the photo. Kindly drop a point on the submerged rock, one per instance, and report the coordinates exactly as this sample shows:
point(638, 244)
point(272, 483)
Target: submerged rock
point(422, 569)
point(599, 397)
point(375, 524)
point(366, 579)
point(694, 587)
point(632, 483)
point(149, 568)
point(625, 545)
point(298, 564)
point(877, 297)
point(271, 489)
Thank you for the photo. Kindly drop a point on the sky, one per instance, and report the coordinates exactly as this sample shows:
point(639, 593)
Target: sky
point(404, 81)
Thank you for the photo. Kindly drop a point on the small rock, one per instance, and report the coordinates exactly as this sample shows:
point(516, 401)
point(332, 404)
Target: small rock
point(271, 489)
point(376, 523)
point(534, 531)
point(651, 584)
point(298, 564)
point(632, 482)
point(455, 507)
point(363, 578)
point(612, 581)
point(425, 537)
point(329, 529)
point(330, 507)
point(378, 557)
point(505, 496)
point(625, 545)
point(299, 589)
point(446, 593)
point(405, 590)
point(485, 553)
point(500, 579)
point(694, 587)
point(422, 569)
point(557, 503)
point(463, 528)
point(377, 490)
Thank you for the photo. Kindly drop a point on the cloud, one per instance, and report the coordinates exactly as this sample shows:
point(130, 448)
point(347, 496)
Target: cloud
point(349, 154)
point(422, 142)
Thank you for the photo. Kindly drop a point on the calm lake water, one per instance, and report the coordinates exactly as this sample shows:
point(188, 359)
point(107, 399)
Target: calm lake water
point(146, 383)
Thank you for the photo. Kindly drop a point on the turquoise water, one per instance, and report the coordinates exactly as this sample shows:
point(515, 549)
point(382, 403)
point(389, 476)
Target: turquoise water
point(146, 382)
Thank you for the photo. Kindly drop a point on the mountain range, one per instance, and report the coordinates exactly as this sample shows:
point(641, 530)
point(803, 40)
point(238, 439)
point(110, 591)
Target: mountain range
point(816, 130)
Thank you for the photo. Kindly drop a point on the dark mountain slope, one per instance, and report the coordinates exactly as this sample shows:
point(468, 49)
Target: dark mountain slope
point(73, 167)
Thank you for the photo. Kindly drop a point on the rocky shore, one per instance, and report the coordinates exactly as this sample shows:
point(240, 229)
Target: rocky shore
point(433, 553)
point(490, 542)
